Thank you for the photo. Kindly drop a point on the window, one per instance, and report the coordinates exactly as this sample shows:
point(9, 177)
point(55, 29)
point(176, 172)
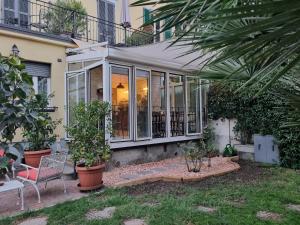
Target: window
point(142, 104)
point(193, 105)
point(120, 100)
point(168, 33)
point(40, 73)
point(106, 13)
point(16, 12)
point(147, 16)
point(177, 106)
point(158, 98)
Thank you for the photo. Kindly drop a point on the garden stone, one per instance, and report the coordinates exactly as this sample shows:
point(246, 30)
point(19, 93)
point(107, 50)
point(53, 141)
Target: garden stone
point(135, 222)
point(206, 209)
point(106, 213)
point(294, 207)
point(35, 221)
point(151, 204)
point(265, 215)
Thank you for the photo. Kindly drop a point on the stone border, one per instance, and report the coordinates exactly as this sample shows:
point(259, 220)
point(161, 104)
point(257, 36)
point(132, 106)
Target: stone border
point(164, 178)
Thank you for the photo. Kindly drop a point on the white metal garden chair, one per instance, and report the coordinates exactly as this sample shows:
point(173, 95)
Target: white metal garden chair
point(51, 168)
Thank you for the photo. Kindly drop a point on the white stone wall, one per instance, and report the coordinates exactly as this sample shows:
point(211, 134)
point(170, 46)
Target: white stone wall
point(223, 129)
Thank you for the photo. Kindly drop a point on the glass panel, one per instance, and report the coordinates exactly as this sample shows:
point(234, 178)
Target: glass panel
point(142, 103)
point(23, 6)
point(81, 88)
point(43, 85)
point(88, 63)
point(9, 4)
point(74, 66)
point(120, 103)
point(96, 84)
point(204, 91)
point(176, 85)
point(76, 92)
point(193, 105)
point(158, 96)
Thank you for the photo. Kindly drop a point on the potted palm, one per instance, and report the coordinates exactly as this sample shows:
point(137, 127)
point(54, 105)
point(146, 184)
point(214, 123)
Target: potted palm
point(88, 146)
point(39, 132)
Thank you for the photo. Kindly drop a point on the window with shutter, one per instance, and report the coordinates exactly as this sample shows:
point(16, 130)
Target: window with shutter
point(106, 13)
point(40, 73)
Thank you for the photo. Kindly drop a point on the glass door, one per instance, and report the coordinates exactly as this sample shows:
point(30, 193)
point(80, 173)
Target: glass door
point(76, 88)
point(142, 92)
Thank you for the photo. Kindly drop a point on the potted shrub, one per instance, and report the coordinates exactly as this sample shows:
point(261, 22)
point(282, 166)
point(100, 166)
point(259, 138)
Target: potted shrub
point(88, 146)
point(39, 132)
point(6, 161)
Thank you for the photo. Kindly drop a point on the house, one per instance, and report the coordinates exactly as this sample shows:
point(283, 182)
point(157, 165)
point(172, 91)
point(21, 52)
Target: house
point(156, 101)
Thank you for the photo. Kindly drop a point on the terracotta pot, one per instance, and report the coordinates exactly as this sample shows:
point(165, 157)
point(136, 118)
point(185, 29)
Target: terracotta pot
point(90, 178)
point(33, 158)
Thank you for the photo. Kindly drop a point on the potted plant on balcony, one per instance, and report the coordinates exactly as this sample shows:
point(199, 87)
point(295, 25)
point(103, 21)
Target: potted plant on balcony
point(39, 132)
point(88, 146)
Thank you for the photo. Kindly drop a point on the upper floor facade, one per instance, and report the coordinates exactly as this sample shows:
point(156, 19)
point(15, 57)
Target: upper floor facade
point(93, 21)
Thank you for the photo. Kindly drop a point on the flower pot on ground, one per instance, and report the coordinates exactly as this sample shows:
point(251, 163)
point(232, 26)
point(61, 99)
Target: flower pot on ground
point(33, 158)
point(39, 132)
point(88, 146)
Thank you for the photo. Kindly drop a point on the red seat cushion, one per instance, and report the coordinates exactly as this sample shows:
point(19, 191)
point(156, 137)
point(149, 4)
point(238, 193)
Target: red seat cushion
point(32, 174)
point(44, 173)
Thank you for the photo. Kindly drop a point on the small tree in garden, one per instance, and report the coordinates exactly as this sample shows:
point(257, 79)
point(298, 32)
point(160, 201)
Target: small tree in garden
point(40, 132)
point(193, 154)
point(87, 131)
point(15, 89)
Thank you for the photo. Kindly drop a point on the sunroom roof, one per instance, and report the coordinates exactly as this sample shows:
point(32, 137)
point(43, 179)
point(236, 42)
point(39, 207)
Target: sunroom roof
point(158, 54)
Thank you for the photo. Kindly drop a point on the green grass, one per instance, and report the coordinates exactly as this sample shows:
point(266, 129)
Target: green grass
point(178, 206)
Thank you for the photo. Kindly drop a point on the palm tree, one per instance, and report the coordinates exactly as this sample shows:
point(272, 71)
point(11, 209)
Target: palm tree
point(255, 38)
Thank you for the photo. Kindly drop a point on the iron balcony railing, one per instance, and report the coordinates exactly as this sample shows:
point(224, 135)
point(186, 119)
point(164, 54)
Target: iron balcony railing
point(43, 17)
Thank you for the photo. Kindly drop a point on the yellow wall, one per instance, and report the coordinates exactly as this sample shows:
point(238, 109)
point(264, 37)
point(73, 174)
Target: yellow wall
point(41, 50)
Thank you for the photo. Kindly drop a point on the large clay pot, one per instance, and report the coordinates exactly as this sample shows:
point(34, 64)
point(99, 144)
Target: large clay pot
point(33, 158)
point(90, 178)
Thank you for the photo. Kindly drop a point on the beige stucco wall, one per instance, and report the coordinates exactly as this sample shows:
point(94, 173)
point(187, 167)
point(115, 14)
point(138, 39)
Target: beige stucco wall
point(41, 50)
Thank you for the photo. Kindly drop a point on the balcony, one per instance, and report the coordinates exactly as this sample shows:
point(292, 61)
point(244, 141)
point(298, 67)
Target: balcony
point(46, 19)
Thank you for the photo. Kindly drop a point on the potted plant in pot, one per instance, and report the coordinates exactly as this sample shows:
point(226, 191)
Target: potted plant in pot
point(39, 132)
point(88, 146)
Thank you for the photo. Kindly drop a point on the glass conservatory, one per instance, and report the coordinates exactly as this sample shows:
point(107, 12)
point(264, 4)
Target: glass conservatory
point(153, 99)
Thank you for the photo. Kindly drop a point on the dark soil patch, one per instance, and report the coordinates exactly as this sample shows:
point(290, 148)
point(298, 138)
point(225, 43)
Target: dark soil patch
point(250, 172)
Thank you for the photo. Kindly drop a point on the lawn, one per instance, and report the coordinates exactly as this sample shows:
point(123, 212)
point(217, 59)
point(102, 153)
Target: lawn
point(237, 198)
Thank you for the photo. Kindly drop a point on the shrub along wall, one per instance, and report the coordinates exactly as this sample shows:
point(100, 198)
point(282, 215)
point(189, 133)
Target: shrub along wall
point(263, 115)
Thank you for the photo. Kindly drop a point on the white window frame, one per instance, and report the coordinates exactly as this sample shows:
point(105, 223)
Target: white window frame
point(35, 85)
point(184, 99)
point(186, 106)
point(130, 102)
point(149, 105)
point(165, 103)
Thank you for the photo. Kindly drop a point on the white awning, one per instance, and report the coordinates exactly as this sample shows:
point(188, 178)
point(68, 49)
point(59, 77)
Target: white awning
point(158, 54)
